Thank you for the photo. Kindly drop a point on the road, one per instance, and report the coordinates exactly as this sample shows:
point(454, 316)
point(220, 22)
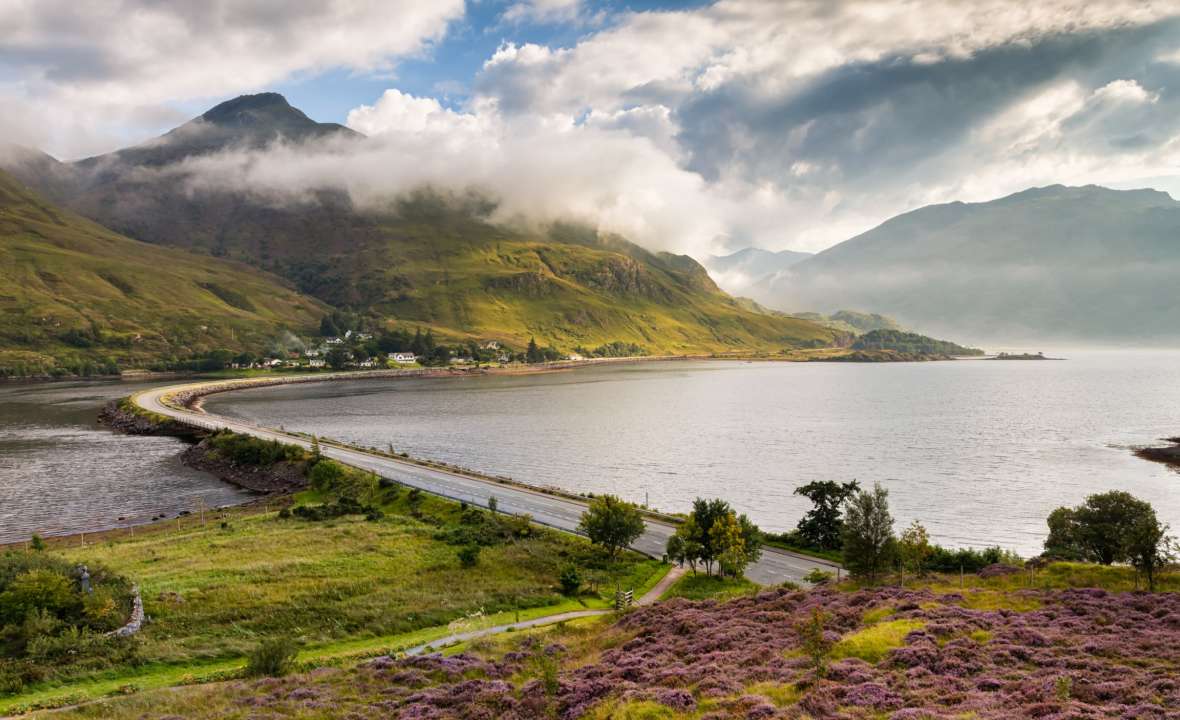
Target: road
point(774, 567)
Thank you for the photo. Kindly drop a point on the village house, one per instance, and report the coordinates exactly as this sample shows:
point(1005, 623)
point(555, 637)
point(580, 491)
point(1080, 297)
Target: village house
point(404, 358)
point(316, 362)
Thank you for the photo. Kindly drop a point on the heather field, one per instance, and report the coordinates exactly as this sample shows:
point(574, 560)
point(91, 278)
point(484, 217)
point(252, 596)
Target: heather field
point(890, 653)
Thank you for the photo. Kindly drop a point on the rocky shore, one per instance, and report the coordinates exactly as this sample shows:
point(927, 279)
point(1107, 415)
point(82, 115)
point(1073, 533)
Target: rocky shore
point(120, 416)
point(1169, 455)
point(279, 478)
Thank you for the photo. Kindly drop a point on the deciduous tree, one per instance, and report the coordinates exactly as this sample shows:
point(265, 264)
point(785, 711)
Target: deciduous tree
point(869, 543)
point(612, 523)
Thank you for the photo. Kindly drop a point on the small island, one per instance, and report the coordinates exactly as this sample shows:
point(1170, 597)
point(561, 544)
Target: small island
point(1023, 356)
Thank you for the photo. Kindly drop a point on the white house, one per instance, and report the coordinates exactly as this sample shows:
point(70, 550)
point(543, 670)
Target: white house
point(490, 345)
point(574, 356)
point(316, 363)
point(404, 358)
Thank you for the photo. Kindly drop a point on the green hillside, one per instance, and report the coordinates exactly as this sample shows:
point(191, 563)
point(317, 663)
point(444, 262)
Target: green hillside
point(430, 260)
point(74, 292)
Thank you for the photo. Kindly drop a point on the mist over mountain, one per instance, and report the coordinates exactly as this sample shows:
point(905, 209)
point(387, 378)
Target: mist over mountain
point(1062, 264)
point(256, 180)
point(750, 266)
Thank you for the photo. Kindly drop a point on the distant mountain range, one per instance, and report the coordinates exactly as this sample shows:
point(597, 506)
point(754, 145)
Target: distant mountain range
point(750, 266)
point(429, 260)
point(1053, 264)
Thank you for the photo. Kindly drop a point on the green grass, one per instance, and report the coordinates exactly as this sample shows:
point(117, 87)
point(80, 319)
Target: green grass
point(345, 589)
point(703, 587)
point(1056, 576)
point(874, 642)
point(136, 302)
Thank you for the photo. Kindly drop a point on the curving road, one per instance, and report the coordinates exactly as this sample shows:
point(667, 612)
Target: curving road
point(774, 567)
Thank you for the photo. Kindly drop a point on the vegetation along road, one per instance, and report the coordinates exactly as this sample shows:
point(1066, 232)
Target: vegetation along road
point(775, 566)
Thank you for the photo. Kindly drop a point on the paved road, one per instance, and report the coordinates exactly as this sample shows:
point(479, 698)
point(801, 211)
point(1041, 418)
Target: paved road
point(774, 567)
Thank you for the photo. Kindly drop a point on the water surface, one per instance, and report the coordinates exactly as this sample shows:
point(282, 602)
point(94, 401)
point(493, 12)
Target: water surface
point(980, 451)
point(61, 472)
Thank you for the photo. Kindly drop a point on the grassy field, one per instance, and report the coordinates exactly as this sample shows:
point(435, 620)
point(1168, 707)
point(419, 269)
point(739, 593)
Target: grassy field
point(344, 588)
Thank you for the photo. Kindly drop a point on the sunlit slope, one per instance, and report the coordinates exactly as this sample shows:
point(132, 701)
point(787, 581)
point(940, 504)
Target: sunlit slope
point(69, 287)
point(565, 285)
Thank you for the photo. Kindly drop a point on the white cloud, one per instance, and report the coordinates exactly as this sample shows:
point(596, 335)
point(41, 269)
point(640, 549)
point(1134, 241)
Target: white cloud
point(1125, 91)
point(543, 11)
point(88, 73)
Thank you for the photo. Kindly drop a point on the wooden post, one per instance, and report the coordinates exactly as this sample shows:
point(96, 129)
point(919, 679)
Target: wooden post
point(962, 577)
point(83, 536)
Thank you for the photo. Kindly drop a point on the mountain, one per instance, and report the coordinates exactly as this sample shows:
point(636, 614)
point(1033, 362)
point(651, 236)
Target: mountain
point(1066, 264)
point(74, 292)
point(750, 266)
point(850, 321)
point(431, 259)
point(246, 122)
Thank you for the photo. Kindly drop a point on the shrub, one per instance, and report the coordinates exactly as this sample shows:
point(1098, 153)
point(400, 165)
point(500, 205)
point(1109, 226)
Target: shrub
point(469, 556)
point(247, 450)
point(818, 577)
point(570, 580)
point(273, 657)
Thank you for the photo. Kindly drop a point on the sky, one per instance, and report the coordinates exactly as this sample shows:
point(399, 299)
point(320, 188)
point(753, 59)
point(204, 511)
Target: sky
point(697, 127)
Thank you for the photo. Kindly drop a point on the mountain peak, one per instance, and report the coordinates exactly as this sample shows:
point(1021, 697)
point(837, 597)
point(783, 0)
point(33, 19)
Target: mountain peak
point(254, 110)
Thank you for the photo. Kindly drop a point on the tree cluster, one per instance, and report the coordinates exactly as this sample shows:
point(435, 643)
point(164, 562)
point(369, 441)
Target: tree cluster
point(715, 536)
point(1111, 527)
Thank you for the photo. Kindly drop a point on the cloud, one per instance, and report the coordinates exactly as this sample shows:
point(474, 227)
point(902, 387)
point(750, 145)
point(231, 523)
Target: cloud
point(543, 11)
point(791, 124)
point(831, 117)
point(538, 168)
point(90, 75)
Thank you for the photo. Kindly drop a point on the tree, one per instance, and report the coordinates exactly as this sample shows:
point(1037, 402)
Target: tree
point(685, 546)
point(913, 548)
point(820, 528)
point(328, 327)
point(706, 513)
point(611, 523)
point(418, 345)
point(1099, 529)
point(533, 354)
point(815, 643)
point(338, 357)
point(726, 535)
point(1148, 547)
point(869, 544)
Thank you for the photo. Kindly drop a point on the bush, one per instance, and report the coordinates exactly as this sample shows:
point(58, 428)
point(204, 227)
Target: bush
point(570, 581)
point(469, 556)
point(47, 624)
point(819, 577)
point(273, 657)
point(246, 450)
